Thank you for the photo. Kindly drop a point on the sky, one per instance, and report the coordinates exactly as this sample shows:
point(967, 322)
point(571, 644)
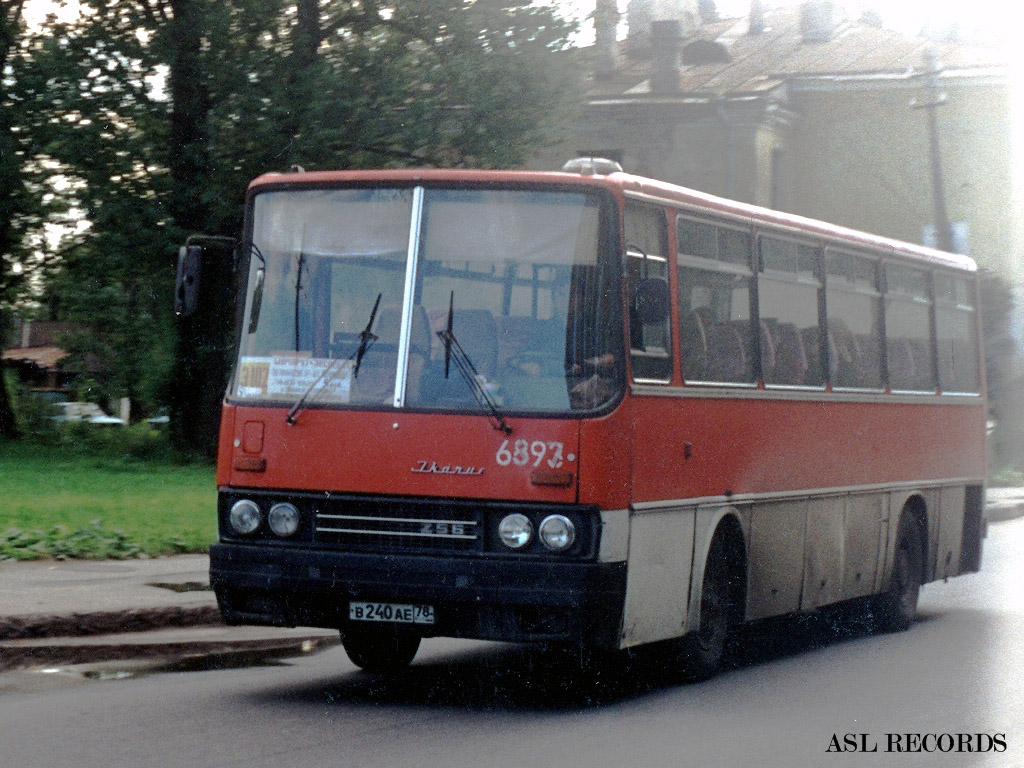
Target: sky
point(911, 15)
point(995, 18)
point(36, 10)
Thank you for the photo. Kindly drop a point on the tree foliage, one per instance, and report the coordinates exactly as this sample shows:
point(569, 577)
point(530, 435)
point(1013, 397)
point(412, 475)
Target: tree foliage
point(157, 113)
point(1004, 378)
point(22, 211)
point(11, 198)
point(99, 124)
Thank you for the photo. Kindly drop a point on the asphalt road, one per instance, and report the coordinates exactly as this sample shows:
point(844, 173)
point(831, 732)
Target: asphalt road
point(959, 670)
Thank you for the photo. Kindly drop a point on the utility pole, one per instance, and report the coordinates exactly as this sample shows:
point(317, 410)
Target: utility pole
point(932, 99)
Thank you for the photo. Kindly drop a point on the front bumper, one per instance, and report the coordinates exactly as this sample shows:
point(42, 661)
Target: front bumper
point(473, 597)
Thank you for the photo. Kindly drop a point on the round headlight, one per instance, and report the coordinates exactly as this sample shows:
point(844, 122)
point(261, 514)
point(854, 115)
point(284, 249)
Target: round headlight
point(557, 532)
point(515, 531)
point(284, 519)
point(245, 517)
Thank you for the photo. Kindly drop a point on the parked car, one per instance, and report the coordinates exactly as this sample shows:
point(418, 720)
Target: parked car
point(89, 412)
point(161, 419)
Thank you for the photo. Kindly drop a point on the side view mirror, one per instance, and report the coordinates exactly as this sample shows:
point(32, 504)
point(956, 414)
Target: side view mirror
point(653, 300)
point(186, 283)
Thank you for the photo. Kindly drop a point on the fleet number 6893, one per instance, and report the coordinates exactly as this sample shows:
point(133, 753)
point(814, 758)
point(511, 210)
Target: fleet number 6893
point(522, 452)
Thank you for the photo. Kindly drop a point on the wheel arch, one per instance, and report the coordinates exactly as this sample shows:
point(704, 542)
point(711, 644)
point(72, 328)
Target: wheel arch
point(915, 506)
point(725, 522)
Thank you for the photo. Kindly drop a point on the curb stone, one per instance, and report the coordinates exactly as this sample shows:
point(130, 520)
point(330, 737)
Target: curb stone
point(1000, 511)
point(190, 648)
point(107, 622)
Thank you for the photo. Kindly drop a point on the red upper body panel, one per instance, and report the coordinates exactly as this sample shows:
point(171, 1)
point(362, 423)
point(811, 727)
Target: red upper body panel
point(402, 454)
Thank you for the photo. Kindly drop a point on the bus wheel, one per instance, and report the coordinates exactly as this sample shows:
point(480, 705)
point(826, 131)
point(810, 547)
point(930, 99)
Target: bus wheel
point(380, 650)
point(896, 608)
point(702, 651)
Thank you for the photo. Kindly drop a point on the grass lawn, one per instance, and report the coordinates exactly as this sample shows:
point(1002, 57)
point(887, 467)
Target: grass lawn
point(59, 502)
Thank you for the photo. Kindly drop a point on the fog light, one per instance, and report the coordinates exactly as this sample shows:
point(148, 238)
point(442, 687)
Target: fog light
point(515, 531)
point(284, 519)
point(557, 532)
point(245, 517)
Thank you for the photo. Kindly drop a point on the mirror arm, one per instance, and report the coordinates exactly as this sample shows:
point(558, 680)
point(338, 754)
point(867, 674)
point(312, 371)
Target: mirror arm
point(226, 243)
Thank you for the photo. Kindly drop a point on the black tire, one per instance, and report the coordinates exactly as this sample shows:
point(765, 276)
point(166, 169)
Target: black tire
point(896, 608)
point(702, 651)
point(380, 650)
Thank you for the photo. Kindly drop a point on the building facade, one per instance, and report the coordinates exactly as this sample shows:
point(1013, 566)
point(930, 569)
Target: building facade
point(801, 110)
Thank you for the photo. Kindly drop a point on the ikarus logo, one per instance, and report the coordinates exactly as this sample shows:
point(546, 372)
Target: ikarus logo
point(433, 468)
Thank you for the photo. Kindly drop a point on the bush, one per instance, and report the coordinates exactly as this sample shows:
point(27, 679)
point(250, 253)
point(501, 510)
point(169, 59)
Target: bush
point(34, 416)
point(135, 442)
point(1007, 477)
point(95, 542)
point(139, 442)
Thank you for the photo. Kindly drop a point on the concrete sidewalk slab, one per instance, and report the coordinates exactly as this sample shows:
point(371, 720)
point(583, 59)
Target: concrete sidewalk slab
point(89, 586)
point(83, 597)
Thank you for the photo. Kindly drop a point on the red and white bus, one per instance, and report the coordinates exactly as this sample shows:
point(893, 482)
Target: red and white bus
point(586, 407)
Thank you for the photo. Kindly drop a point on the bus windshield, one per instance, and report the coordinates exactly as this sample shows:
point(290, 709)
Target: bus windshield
point(430, 298)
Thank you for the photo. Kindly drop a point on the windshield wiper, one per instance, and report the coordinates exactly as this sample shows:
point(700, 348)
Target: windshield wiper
point(447, 336)
point(366, 338)
point(453, 351)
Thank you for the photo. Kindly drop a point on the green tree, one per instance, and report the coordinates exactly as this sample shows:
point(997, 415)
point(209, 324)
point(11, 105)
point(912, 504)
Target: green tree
point(12, 193)
point(1002, 371)
point(161, 111)
point(23, 212)
point(360, 84)
point(101, 125)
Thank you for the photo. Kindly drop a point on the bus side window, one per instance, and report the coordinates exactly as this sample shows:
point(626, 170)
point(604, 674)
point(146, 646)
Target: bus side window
point(716, 338)
point(853, 306)
point(955, 321)
point(650, 332)
point(908, 329)
point(788, 286)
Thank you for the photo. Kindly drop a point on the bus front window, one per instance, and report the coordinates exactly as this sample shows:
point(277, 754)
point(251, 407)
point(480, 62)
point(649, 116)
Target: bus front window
point(518, 276)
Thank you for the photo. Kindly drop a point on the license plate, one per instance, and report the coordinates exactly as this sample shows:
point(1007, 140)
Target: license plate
point(398, 613)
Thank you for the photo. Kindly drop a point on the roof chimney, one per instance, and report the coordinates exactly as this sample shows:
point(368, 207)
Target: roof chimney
point(756, 18)
point(666, 40)
point(640, 14)
point(817, 21)
point(606, 20)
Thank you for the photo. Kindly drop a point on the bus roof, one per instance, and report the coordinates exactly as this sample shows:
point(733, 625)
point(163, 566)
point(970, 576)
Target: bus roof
point(627, 184)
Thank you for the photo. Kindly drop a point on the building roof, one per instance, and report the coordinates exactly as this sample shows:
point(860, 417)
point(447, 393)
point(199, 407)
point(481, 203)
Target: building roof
point(45, 358)
point(35, 344)
point(761, 62)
